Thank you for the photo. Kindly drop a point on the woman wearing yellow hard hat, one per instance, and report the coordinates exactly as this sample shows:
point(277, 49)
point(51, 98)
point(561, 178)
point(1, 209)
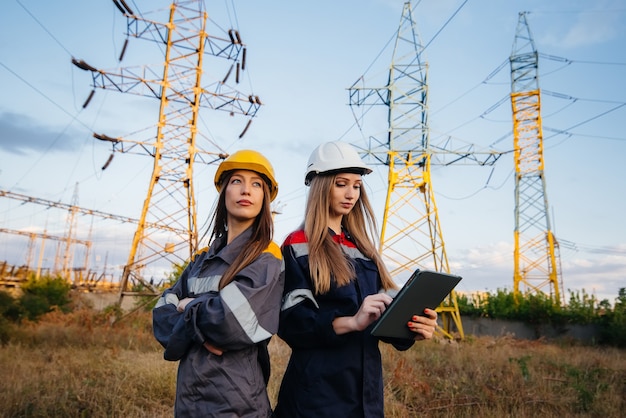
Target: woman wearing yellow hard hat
point(219, 316)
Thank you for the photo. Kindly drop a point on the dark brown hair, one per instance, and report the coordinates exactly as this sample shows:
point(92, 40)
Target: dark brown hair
point(262, 234)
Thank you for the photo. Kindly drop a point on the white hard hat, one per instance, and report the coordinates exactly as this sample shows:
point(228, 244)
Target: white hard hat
point(334, 156)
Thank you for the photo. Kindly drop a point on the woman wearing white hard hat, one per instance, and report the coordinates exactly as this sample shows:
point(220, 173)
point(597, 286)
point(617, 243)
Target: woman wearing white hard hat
point(219, 316)
point(333, 279)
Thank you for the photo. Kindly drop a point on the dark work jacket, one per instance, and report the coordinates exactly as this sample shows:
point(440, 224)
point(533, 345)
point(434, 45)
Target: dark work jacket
point(328, 375)
point(240, 319)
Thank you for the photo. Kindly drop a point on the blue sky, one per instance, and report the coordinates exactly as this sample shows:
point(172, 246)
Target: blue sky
point(302, 57)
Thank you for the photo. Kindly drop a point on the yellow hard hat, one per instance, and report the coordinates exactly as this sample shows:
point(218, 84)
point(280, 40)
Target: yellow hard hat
point(248, 160)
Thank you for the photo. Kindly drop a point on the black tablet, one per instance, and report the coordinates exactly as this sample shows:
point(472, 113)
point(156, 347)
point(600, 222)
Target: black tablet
point(424, 289)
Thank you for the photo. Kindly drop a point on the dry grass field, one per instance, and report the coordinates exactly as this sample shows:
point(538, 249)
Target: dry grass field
point(80, 365)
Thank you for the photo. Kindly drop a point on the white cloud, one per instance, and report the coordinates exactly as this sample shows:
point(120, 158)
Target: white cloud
point(490, 267)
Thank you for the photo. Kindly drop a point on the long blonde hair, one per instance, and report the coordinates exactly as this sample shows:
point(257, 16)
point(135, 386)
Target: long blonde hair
point(326, 259)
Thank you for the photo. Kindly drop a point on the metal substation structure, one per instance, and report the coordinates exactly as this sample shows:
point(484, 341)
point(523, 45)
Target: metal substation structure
point(65, 269)
point(167, 228)
point(536, 253)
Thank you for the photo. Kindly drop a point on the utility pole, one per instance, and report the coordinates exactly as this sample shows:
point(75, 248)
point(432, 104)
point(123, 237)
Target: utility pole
point(68, 255)
point(181, 92)
point(536, 264)
point(411, 235)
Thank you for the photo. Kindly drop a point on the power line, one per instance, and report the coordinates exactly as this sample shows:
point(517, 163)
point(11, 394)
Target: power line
point(42, 94)
point(568, 97)
point(43, 27)
point(570, 61)
point(594, 117)
point(445, 24)
point(595, 249)
point(570, 134)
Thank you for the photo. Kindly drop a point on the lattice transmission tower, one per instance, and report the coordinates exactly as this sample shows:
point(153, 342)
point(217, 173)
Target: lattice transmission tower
point(167, 227)
point(411, 235)
point(536, 253)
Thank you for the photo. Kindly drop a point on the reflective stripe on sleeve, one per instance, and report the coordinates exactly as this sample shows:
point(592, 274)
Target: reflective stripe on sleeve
point(167, 298)
point(200, 285)
point(243, 312)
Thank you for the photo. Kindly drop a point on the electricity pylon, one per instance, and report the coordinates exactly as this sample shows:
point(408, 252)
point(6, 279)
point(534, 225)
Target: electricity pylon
point(411, 235)
point(68, 256)
point(171, 198)
point(536, 256)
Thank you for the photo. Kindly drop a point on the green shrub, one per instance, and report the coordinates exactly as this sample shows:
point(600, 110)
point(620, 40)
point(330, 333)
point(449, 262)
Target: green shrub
point(9, 307)
point(540, 309)
point(44, 294)
point(501, 305)
point(583, 308)
point(5, 331)
point(467, 306)
point(614, 322)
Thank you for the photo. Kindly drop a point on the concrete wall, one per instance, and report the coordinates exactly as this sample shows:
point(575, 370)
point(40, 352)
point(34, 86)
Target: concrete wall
point(498, 328)
point(100, 300)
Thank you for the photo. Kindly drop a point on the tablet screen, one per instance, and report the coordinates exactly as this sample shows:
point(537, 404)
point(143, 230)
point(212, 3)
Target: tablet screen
point(424, 289)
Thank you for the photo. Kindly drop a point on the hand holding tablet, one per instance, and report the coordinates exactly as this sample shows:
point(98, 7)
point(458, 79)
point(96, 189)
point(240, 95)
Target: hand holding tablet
point(424, 289)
